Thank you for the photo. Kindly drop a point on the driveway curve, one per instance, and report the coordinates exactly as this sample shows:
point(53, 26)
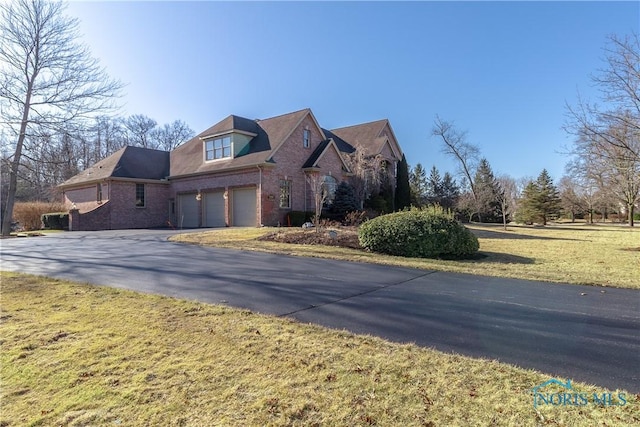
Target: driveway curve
point(583, 333)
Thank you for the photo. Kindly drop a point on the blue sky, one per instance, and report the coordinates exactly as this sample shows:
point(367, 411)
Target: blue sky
point(502, 71)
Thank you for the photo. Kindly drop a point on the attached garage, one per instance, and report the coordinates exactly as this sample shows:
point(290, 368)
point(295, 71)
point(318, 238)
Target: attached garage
point(213, 215)
point(188, 212)
point(244, 207)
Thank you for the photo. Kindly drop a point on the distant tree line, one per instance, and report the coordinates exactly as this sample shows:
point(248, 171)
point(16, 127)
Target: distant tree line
point(56, 103)
point(603, 175)
point(51, 157)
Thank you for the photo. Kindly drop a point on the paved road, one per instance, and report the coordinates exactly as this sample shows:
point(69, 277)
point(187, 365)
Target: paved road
point(550, 327)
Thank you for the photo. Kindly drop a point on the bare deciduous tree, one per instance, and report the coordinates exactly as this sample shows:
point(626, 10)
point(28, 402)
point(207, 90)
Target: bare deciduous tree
point(367, 173)
point(171, 135)
point(466, 154)
point(608, 135)
point(140, 130)
point(47, 79)
point(506, 196)
point(572, 203)
point(320, 193)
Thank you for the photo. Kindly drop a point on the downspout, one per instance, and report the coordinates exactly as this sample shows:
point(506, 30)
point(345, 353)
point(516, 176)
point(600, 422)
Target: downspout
point(109, 183)
point(260, 194)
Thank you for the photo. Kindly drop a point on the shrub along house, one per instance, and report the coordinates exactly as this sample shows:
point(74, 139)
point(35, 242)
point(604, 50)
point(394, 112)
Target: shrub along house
point(239, 172)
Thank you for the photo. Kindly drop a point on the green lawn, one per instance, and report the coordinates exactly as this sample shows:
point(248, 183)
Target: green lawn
point(80, 355)
point(571, 253)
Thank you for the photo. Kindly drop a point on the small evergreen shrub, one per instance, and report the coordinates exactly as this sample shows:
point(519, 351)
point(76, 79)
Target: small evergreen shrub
point(55, 221)
point(345, 199)
point(426, 233)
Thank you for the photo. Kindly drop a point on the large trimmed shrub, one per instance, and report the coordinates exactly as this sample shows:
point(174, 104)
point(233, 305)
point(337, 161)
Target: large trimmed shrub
point(427, 233)
point(56, 221)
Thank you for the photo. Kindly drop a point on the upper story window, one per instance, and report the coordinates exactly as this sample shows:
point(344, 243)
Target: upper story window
point(219, 148)
point(305, 138)
point(140, 202)
point(99, 193)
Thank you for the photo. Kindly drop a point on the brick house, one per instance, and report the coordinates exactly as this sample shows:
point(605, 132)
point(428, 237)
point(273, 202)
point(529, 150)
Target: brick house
point(239, 172)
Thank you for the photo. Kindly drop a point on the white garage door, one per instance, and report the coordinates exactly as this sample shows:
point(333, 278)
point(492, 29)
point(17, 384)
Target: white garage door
point(188, 211)
point(214, 209)
point(244, 207)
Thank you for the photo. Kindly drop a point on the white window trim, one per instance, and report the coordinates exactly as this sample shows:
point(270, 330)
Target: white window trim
point(221, 137)
point(306, 138)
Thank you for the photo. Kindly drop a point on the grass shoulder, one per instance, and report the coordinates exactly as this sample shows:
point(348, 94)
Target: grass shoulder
point(567, 253)
point(76, 354)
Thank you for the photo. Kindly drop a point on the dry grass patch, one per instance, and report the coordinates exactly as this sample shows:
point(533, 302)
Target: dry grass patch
point(573, 253)
point(568, 253)
point(80, 355)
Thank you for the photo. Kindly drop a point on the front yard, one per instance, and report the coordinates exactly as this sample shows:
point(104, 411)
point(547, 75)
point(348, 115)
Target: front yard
point(568, 253)
point(79, 355)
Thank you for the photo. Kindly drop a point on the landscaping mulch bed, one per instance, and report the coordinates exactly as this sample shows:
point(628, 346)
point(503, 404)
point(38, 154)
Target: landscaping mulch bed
point(343, 236)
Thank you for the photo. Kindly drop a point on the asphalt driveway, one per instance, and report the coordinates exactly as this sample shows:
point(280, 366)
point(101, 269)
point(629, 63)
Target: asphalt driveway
point(583, 333)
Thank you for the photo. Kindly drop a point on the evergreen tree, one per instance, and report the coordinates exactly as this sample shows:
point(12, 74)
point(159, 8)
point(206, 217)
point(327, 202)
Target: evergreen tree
point(487, 194)
point(527, 211)
point(345, 199)
point(548, 200)
point(540, 200)
point(434, 187)
point(403, 189)
point(418, 185)
point(450, 191)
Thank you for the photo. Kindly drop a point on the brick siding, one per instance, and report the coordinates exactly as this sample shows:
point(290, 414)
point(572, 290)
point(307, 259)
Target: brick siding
point(118, 211)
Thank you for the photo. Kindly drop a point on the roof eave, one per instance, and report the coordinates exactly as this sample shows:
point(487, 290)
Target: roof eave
point(215, 172)
point(227, 132)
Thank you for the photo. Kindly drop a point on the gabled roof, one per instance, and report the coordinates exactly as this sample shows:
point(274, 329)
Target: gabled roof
point(128, 162)
point(229, 124)
point(342, 145)
point(320, 151)
point(369, 136)
point(280, 128)
point(270, 134)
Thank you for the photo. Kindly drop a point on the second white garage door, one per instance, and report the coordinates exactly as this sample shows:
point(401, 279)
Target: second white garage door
point(188, 211)
point(214, 209)
point(244, 207)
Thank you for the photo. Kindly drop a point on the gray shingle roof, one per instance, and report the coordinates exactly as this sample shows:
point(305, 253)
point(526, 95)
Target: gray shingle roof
point(187, 159)
point(365, 135)
point(128, 162)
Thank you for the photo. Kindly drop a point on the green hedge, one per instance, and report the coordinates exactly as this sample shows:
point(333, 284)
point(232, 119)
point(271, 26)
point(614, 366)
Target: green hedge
point(427, 233)
point(56, 221)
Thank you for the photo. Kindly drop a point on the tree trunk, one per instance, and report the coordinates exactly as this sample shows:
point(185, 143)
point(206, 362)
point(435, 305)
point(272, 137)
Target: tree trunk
point(7, 217)
point(630, 212)
point(15, 163)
